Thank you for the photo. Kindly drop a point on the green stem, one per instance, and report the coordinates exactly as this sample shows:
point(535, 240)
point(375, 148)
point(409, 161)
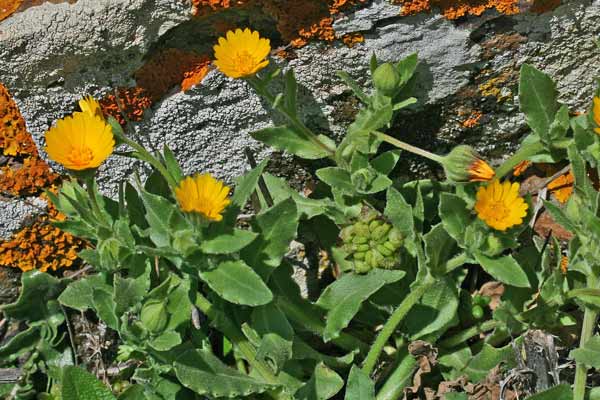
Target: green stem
point(522, 154)
point(89, 186)
point(468, 333)
point(587, 330)
point(259, 87)
point(237, 338)
point(409, 147)
point(150, 159)
point(399, 378)
point(308, 321)
point(392, 323)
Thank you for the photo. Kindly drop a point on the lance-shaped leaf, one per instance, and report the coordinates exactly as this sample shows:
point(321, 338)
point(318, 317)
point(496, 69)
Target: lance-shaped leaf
point(78, 384)
point(538, 100)
point(158, 214)
point(228, 241)
point(359, 386)
point(276, 334)
point(205, 374)
point(323, 385)
point(237, 283)
point(288, 139)
point(589, 354)
point(344, 297)
point(505, 269)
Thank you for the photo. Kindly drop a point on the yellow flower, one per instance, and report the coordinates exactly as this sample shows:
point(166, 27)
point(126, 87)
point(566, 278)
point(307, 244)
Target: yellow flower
point(596, 114)
point(90, 105)
point(500, 206)
point(242, 53)
point(203, 194)
point(81, 141)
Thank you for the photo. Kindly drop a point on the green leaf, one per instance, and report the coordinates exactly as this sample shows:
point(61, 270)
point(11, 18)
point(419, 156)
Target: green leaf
point(237, 283)
point(135, 206)
point(20, 344)
point(344, 297)
point(127, 293)
point(558, 392)
point(590, 297)
point(227, 242)
point(277, 227)
point(37, 288)
point(302, 351)
point(285, 138)
point(359, 386)
point(165, 341)
point(480, 365)
point(400, 213)
point(589, 354)
point(276, 333)
point(291, 91)
point(367, 121)
point(171, 163)
point(352, 84)
point(205, 374)
point(80, 294)
point(407, 68)
point(78, 384)
point(244, 187)
point(337, 178)
point(560, 125)
point(455, 215)
point(385, 162)
point(538, 100)
point(158, 213)
point(434, 312)
point(439, 248)
point(559, 216)
point(505, 269)
point(105, 306)
point(323, 385)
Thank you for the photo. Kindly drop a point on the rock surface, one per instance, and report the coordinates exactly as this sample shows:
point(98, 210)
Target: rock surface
point(52, 54)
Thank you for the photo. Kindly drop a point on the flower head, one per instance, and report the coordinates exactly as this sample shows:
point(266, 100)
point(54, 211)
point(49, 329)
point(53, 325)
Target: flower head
point(596, 114)
point(562, 187)
point(81, 141)
point(463, 164)
point(90, 105)
point(500, 206)
point(204, 195)
point(242, 53)
point(521, 167)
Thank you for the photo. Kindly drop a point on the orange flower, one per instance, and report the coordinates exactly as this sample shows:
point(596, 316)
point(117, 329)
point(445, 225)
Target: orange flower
point(562, 187)
point(480, 171)
point(596, 114)
point(521, 167)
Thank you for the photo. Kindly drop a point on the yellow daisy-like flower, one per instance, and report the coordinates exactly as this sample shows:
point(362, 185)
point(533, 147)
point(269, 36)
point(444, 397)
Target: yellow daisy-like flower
point(500, 206)
point(90, 105)
point(596, 114)
point(242, 53)
point(81, 141)
point(203, 194)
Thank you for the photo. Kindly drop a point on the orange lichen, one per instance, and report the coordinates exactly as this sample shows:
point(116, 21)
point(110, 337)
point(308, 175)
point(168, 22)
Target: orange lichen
point(133, 101)
point(454, 9)
point(205, 7)
point(521, 167)
point(7, 7)
point(473, 119)
point(169, 68)
point(27, 178)
point(41, 246)
point(351, 39)
point(562, 187)
point(14, 138)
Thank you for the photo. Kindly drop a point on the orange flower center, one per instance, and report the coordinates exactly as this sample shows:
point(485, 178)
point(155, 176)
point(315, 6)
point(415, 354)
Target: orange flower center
point(244, 62)
point(80, 156)
point(498, 211)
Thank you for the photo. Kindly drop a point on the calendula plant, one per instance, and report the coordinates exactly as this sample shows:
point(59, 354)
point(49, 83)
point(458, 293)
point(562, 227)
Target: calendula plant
point(205, 306)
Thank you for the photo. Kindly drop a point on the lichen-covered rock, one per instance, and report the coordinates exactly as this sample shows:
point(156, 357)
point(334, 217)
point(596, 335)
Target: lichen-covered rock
point(52, 54)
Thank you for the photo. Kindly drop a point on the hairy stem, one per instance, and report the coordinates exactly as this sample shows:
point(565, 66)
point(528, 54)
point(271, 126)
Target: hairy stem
point(522, 154)
point(587, 330)
point(408, 147)
point(399, 378)
point(392, 323)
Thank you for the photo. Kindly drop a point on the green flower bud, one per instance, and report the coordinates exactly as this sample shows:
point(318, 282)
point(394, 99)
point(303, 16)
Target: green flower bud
point(360, 240)
point(154, 316)
point(463, 164)
point(390, 246)
point(380, 232)
point(361, 267)
point(386, 79)
point(374, 225)
point(477, 312)
point(395, 237)
point(359, 256)
point(384, 250)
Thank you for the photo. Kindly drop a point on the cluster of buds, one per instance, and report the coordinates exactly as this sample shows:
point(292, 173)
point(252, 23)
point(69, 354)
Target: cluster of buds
point(372, 243)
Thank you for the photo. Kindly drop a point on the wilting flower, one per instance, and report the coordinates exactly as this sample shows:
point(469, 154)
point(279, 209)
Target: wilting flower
point(500, 206)
point(242, 54)
point(463, 164)
point(596, 114)
point(90, 105)
point(204, 195)
point(81, 141)
point(521, 167)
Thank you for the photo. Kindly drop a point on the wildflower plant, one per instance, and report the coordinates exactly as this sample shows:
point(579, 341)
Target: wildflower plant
point(206, 306)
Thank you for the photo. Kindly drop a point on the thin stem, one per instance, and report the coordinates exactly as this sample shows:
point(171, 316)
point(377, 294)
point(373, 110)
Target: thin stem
point(308, 321)
point(408, 147)
point(236, 338)
point(468, 333)
point(399, 378)
point(89, 186)
point(587, 330)
point(522, 154)
point(291, 117)
point(392, 323)
point(150, 159)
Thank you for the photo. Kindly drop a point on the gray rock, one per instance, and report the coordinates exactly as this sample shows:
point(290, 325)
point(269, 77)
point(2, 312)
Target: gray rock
point(14, 213)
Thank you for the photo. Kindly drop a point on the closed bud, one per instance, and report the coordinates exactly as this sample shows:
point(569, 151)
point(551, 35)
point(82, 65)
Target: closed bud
point(386, 79)
point(154, 316)
point(463, 164)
